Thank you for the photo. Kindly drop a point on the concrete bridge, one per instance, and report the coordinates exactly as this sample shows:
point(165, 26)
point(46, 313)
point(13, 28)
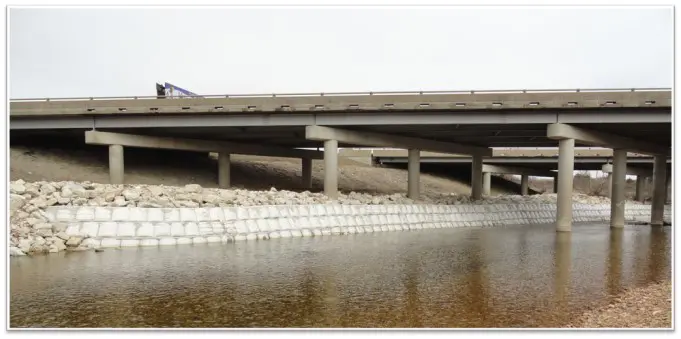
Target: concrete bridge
point(469, 123)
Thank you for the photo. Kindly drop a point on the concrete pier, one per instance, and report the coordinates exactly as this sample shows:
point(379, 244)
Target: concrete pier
point(486, 183)
point(555, 184)
point(414, 168)
point(619, 181)
point(306, 173)
point(331, 168)
point(566, 165)
point(524, 184)
point(476, 177)
point(659, 190)
point(224, 179)
point(640, 188)
point(116, 164)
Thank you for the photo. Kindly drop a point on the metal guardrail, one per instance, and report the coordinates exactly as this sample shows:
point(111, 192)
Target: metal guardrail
point(274, 95)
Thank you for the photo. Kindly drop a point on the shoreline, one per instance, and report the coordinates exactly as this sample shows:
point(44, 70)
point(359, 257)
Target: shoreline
point(50, 217)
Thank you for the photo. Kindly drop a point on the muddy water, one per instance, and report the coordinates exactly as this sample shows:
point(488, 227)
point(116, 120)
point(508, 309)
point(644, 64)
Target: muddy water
point(525, 276)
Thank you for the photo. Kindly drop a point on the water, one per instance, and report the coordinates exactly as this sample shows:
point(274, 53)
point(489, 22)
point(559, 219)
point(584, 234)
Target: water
point(525, 276)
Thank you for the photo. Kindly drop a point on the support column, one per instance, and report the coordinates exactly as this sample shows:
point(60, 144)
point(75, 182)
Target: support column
point(476, 177)
point(610, 185)
point(307, 173)
point(640, 188)
point(555, 184)
point(116, 164)
point(566, 167)
point(659, 178)
point(524, 184)
point(414, 168)
point(486, 183)
point(668, 189)
point(224, 176)
point(331, 168)
point(619, 180)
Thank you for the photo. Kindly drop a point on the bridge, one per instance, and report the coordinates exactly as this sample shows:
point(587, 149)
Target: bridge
point(461, 122)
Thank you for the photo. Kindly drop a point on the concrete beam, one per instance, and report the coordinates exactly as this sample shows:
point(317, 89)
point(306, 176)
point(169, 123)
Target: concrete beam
point(607, 168)
point(564, 131)
point(143, 141)
point(517, 170)
point(322, 133)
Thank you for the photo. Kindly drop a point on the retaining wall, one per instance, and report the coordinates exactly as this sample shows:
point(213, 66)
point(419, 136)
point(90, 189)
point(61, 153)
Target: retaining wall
point(125, 226)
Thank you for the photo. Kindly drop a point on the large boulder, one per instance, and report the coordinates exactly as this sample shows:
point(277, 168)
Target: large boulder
point(15, 203)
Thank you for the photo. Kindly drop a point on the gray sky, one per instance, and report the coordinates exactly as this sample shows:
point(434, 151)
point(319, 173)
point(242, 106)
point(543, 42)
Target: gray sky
point(109, 52)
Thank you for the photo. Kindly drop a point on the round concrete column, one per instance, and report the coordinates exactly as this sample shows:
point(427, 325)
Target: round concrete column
point(640, 188)
point(486, 183)
point(307, 172)
point(524, 184)
point(659, 191)
point(566, 167)
point(331, 168)
point(116, 164)
point(224, 176)
point(618, 181)
point(476, 177)
point(414, 169)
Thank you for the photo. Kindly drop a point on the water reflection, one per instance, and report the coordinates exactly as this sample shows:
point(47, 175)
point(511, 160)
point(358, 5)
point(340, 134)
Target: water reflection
point(527, 276)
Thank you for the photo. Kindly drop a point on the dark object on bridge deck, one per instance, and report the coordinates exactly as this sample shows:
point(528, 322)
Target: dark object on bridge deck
point(160, 91)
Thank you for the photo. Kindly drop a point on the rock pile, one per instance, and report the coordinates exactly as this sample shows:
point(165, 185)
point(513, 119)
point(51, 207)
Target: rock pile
point(30, 231)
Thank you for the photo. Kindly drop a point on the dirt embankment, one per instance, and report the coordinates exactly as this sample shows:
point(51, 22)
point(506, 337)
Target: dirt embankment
point(171, 168)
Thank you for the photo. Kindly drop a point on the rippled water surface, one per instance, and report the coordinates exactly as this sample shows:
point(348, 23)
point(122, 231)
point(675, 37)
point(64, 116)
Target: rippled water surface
point(525, 276)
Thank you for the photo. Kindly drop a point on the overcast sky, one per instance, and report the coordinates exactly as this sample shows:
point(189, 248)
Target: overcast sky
point(110, 52)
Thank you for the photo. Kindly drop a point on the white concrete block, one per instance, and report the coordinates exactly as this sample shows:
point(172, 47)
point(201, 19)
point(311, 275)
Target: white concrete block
point(177, 229)
point(171, 215)
point(73, 229)
point(241, 213)
point(355, 210)
point(230, 213)
point(85, 213)
point(285, 234)
point(317, 232)
point(323, 210)
point(391, 228)
point(120, 214)
point(199, 240)
point(335, 230)
point(103, 214)
point(278, 224)
point(161, 229)
point(138, 214)
point(272, 212)
point(324, 222)
point(263, 225)
point(359, 220)
point(351, 229)
point(240, 226)
point(149, 242)
point(130, 242)
point(326, 231)
point(383, 219)
point(91, 243)
point(167, 241)
point(202, 214)
point(188, 214)
point(283, 211)
point(296, 233)
point(263, 236)
point(91, 229)
point(253, 212)
point(347, 209)
point(306, 232)
point(216, 214)
point(252, 225)
point(184, 241)
point(304, 211)
point(274, 235)
point(350, 220)
point(368, 229)
point(359, 229)
point(109, 242)
point(218, 227)
point(145, 229)
point(260, 212)
point(329, 210)
point(126, 229)
point(191, 229)
point(155, 214)
point(377, 229)
point(398, 227)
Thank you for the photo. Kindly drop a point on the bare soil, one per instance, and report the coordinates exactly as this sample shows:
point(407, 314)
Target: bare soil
point(174, 168)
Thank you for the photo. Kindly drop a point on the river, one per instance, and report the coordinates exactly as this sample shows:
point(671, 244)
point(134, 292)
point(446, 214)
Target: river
point(520, 276)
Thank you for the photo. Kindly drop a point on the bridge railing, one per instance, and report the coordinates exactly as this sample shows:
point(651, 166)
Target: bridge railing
point(337, 94)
